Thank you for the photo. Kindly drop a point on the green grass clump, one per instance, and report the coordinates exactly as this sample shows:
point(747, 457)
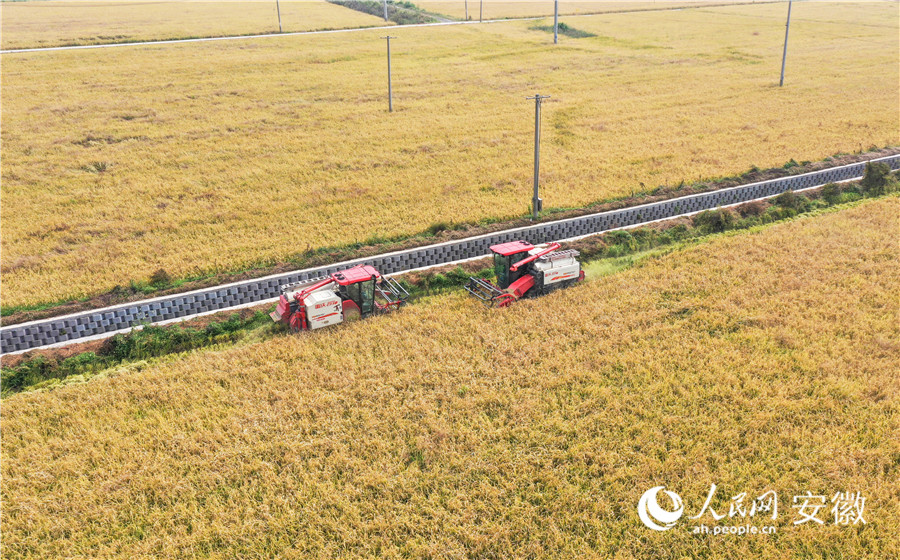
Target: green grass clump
point(877, 178)
point(564, 29)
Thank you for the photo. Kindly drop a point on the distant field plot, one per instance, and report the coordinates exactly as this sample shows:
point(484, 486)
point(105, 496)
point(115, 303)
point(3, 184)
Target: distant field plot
point(207, 157)
point(756, 362)
point(529, 8)
point(48, 24)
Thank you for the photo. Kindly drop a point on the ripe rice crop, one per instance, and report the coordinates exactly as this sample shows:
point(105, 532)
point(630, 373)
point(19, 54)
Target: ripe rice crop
point(763, 360)
point(219, 156)
point(49, 24)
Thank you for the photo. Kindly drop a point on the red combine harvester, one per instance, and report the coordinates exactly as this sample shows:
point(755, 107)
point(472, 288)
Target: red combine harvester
point(343, 296)
point(524, 270)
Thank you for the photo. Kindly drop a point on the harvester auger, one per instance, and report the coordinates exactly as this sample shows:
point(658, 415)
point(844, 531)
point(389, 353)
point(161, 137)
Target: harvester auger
point(524, 270)
point(346, 295)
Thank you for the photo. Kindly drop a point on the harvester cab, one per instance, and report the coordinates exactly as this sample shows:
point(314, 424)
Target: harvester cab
point(356, 287)
point(346, 295)
point(506, 255)
point(525, 270)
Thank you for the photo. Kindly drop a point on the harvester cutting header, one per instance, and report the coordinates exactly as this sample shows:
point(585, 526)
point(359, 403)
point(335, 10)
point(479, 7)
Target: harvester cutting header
point(524, 270)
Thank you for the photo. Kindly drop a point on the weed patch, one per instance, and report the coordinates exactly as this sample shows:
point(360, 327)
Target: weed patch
point(564, 29)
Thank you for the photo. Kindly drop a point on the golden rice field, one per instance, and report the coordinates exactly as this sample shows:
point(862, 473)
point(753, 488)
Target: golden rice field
point(530, 8)
point(759, 361)
point(218, 156)
point(84, 22)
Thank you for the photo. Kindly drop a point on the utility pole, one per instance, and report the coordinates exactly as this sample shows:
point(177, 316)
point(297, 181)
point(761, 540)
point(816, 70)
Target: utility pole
point(787, 29)
point(536, 202)
point(555, 21)
point(481, 11)
point(467, 9)
point(385, 11)
point(278, 9)
point(390, 92)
